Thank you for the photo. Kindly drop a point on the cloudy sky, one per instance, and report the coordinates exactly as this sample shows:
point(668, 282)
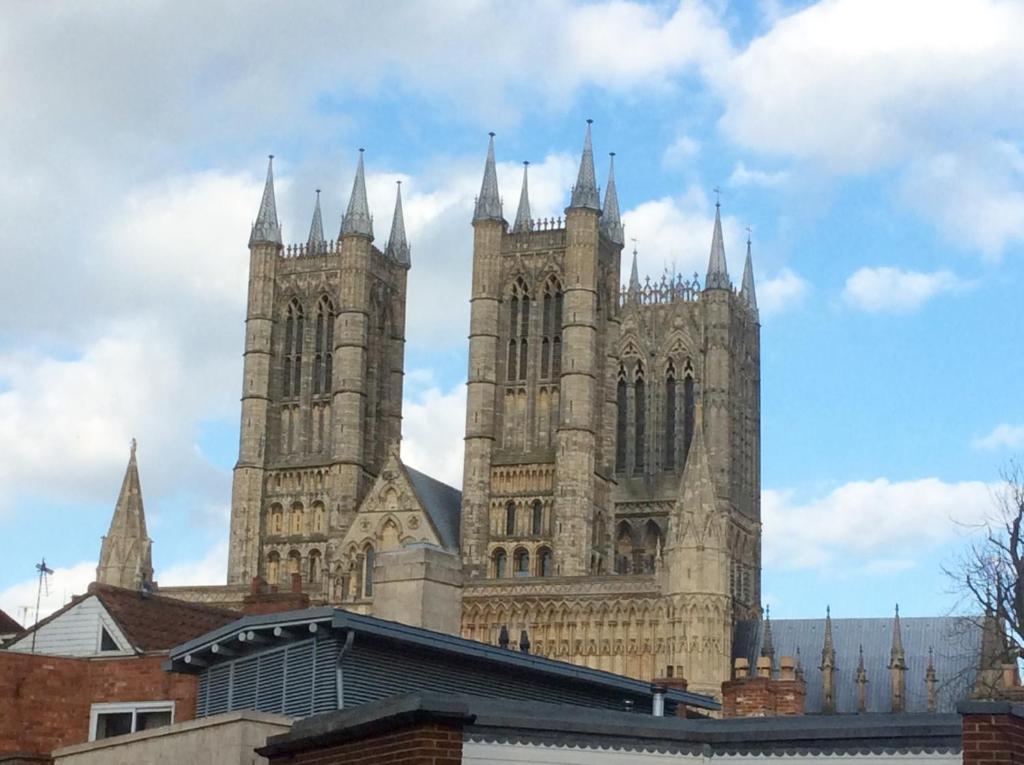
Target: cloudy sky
point(873, 147)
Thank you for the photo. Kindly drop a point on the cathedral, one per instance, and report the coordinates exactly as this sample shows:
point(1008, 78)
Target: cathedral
point(610, 504)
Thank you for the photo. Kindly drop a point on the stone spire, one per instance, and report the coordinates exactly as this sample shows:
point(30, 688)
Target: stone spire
point(633, 290)
point(898, 666)
point(398, 246)
point(488, 204)
point(862, 682)
point(828, 668)
point(315, 243)
point(584, 193)
point(523, 220)
point(357, 220)
point(767, 643)
point(611, 222)
point(126, 554)
point(931, 680)
point(266, 229)
point(747, 293)
point(718, 274)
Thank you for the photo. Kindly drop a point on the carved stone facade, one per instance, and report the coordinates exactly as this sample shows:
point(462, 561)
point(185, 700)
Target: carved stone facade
point(610, 501)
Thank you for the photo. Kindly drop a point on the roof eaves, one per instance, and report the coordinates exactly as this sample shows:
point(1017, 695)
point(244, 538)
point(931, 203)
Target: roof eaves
point(259, 621)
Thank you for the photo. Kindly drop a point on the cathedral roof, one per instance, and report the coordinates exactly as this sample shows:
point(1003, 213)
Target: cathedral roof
point(443, 503)
point(955, 644)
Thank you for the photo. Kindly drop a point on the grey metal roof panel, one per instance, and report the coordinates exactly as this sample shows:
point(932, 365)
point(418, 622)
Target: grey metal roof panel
point(491, 719)
point(443, 504)
point(956, 643)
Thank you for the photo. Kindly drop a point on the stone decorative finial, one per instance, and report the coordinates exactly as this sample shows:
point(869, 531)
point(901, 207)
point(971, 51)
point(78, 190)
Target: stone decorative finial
point(862, 682)
point(398, 246)
point(266, 229)
point(718, 272)
point(488, 204)
point(611, 221)
point(315, 242)
point(747, 293)
point(357, 220)
point(828, 668)
point(523, 220)
point(584, 193)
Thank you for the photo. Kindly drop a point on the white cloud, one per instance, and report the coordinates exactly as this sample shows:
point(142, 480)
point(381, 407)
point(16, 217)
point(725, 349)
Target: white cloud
point(682, 150)
point(19, 600)
point(433, 426)
point(210, 569)
point(894, 290)
point(783, 292)
point(880, 524)
point(744, 176)
point(853, 83)
point(674, 234)
point(1003, 436)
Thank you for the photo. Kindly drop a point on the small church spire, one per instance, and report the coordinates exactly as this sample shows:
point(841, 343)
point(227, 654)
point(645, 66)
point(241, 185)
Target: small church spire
point(488, 204)
point(747, 293)
point(767, 643)
point(315, 243)
point(718, 273)
point(828, 668)
point(584, 193)
point(633, 290)
point(126, 554)
point(611, 222)
point(898, 666)
point(266, 229)
point(357, 220)
point(523, 220)
point(398, 246)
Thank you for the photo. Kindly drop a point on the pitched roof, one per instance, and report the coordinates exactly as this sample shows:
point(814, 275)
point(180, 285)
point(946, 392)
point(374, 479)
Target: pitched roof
point(8, 626)
point(956, 644)
point(150, 622)
point(155, 622)
point(443, 504)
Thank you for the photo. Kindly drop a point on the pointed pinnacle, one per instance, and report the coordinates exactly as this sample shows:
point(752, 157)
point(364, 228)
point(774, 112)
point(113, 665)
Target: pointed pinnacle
point(634, 275)
point(357, 220)
point(266, 229)
point(488, 204)
point(398, 247)
point(611, 222)
point(828, 651)
point(767, 643)
point(316, 229)
point(523, 220)
point(896, 655)
point(584, 193)
point(747, 289)
point(718, 274)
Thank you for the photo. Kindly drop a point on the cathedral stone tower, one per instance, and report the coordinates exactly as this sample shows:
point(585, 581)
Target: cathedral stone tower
point(611, 501)
point(126, 555)
point(321, 393)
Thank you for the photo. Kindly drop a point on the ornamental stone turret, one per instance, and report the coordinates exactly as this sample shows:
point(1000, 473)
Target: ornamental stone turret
point(126, 554)
point(828, 668)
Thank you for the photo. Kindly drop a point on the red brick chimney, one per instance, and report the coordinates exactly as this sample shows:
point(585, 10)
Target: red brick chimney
point(763, 695)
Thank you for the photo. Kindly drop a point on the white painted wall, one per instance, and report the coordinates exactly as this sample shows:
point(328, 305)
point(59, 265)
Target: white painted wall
point(76, 632)
point(479, 753)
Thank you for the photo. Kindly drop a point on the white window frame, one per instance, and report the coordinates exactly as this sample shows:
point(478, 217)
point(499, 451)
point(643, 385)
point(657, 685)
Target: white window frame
point(126, 706)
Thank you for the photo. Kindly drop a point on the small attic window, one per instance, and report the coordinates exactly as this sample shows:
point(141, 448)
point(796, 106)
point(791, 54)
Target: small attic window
point(107, 643)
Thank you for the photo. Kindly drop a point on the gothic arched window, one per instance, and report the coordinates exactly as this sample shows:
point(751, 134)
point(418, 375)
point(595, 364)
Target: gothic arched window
point(273, 568)
point(294, 562)
point(314, 566)
point(368, 558)
point(688, 413)
point(510, 519)
point(521, 562)
point(298, 523)
point(518, 331)
point(537, 524)
point(621, 403)
point(551, 327)
point(500, 559)
point(323, 346)
point(292, 356)
point(639, 420)
point(670, 417)
point(544, 562)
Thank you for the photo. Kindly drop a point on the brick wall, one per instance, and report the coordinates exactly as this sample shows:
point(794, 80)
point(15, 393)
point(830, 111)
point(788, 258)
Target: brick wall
point(993, 733)
point(764, 695)
point(45, 700)
point(423, 744)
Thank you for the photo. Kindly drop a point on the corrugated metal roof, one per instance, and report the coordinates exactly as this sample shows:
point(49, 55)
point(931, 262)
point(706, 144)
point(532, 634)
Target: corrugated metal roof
point(443, 504)
point(955, 642)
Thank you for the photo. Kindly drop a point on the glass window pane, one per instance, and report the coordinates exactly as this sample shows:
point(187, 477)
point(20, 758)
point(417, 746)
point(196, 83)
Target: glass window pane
point(113, 724)
point(147, 720)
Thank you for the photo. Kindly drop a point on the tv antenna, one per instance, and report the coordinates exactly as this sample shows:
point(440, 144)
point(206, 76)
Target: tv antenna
point(44, 571)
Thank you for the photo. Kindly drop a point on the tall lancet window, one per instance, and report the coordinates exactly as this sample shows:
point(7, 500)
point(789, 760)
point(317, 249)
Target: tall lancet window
point(518, 331)
point(688, 412)
point(513, 346)
point(639, 420)
point(620, 422)
point(292, 356)
point(670, 417)
point(551, 344)
point(322, 346)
